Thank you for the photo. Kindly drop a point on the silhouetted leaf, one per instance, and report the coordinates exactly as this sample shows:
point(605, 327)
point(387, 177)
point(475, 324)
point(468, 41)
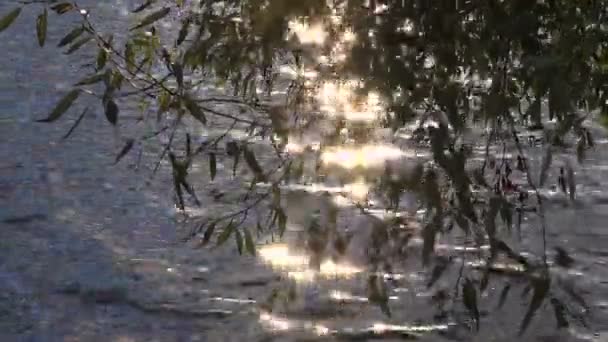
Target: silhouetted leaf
point(441, 264)
point(151, 18)
point(560, 313)
point(225, 234)
point(111, 110)
point(571, 291)
point(469, 297)
point(62, 8)
point(571, 181)
point(178, 71)
point(78, 44)
point(41, 24)
point(195, 110)
point(71, 36)
point(239, 241)
point(503, 295)
point(209, 232)
point(253, 164)
point(282, 220)
point(62, 106)
point(212, 165)
point(249, 244)
point(463, 223)
point(541, 290)
point(183, 32)
point(8, 19)
point(590, 141)
point(84, 112)
point(429, 234)
point(143, 6)
point(546, 163)
point(128, 146)
point(562, 258)
point(377, 293)
point(506, 213)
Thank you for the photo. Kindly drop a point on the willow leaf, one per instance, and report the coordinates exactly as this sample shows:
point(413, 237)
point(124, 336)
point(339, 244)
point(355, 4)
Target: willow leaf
point(62, 106)
point(8, 19)
point(223, 237)
point(71, 36)
point(152, 18)
point(212, 165)
point(249, 244)
point(41, 25)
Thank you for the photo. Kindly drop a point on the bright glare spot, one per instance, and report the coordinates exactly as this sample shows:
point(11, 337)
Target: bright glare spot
point(340, 99)
point(349, 36)
point(345, 296)
point(381, 327)
point(274, 323)
point(381, 9)
point(308, 34)
point(321, 330)
point(330, 268)
point(277, 255)
point(366, 156)
point(293, 147)
point(359, 190)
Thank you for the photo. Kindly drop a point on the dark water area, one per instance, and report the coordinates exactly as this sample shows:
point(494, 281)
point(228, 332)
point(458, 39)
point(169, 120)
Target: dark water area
point(91, 250)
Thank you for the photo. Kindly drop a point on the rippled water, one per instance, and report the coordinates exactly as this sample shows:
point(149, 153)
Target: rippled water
point(91, 251)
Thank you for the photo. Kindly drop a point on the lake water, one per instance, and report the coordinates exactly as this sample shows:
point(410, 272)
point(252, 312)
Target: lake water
point(91, 251)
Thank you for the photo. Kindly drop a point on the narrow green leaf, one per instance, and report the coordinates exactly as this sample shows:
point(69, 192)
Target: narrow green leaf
point(128, 146)
point(225, 234)
point(253, 164)
point(62, 8)
point(111, 110)
point(212, 165)
point(469, 296)
point(239, 241)
point(129, 57)
point(102, 58)
point(117, 79)
point(8, 19)
point(78, 44)
point(195, 110)
point(282, 220)
point(84, 112)
point(91, 79)
point(62, 106)
point(71, 36)
point(249, 244)
point(41, 25)
point(151, 18)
